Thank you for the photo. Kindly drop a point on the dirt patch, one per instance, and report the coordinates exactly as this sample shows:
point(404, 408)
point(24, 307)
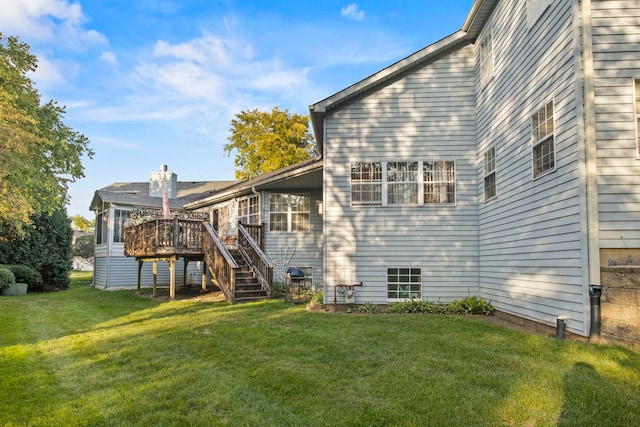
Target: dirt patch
point(185, 294)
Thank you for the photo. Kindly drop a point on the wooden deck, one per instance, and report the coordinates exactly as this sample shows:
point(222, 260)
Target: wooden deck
point(159, 239)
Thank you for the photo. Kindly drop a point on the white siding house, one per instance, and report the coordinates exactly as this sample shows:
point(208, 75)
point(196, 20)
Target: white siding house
point(288, 203)
point(112, 270)
point(501, 161)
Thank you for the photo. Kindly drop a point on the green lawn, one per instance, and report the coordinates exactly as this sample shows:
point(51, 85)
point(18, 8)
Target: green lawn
point(83, 357)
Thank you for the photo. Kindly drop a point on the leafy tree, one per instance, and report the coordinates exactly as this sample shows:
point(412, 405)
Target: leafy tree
point(267, 141)
point(44, 245)
point(83, 247)
point(39, 154)
point(83, 224)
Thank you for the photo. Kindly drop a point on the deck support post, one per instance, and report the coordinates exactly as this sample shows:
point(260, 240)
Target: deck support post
point(185, 264)
point(155, 278)
point(204, 276)
point(172, 278)
point(139, 273)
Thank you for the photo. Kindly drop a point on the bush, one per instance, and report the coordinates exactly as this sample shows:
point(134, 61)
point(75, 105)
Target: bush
point(6, 278)
point(367, 307)
point(416, 306)
point(46, 246)
point(25, 274)
point(469, 305)
point(472, 305)
point(318, 297)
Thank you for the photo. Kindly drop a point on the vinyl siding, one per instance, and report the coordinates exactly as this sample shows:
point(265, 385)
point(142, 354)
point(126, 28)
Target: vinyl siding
point(300, 249)
point(530, 241)
point(122, 273)
point(100, 272)
point(616, 53)
point(427, 114)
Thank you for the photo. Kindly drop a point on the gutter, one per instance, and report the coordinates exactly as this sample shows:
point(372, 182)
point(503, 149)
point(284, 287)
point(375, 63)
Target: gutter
point(591, 155)
point(249, 186)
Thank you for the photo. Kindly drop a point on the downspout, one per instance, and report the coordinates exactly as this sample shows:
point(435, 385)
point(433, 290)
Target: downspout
point(593, 238)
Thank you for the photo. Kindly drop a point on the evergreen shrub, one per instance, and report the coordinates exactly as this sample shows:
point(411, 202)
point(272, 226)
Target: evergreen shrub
point(25, 274)
point(6, 277)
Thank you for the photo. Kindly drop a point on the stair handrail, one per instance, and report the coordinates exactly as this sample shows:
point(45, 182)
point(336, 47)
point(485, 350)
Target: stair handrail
point(258, 260)
point(220, 262)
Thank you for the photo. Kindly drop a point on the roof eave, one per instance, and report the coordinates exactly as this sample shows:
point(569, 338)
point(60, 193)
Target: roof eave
point(249, 186)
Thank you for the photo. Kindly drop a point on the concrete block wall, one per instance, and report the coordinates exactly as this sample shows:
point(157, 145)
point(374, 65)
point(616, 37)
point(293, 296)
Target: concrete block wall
point(620, 305)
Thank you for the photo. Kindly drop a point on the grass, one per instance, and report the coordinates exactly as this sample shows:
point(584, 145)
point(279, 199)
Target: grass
point(83, 357)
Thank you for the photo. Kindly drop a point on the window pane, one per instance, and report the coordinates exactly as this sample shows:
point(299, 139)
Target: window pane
point(543, 139)
point(300, 222)
point(490, 186)
point(543, 156)
point(439, 182)
point(402, 179)
point(404, 283)
point(289, 207)
point(366, 184)
point(278, 222)
point(120, 218)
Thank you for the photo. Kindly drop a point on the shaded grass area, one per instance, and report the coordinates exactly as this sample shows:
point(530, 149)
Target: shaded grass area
point(89, 358)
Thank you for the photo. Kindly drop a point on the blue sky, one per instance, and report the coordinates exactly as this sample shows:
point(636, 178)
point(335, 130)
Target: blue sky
point(154, 82)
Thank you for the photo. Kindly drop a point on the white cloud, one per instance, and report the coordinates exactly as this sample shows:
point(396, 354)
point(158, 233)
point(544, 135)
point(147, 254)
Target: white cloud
point(109, 57)
point(48, 73)
point(45, 20)
point(352, 11)
point(205, 50)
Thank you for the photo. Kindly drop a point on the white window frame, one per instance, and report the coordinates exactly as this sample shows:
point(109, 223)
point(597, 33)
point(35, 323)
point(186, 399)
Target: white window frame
point(542, 134)
point(442, 181)
point(486, 58)
point(636, 109)
point(489, 173)
point(102, 230)
point(249, 209)
point(413, 181)
point(366, 183)
point(402, 183)
point(292, 213)
point(411, 288)
point(120, 219)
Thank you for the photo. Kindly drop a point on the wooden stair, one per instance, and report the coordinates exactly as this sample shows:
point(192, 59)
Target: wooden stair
point(247, 286)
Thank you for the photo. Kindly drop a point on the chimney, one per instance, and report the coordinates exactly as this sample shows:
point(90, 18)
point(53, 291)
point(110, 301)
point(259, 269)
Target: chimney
point(163, 181)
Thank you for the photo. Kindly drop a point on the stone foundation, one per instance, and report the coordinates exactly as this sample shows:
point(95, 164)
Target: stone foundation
point(620, 305)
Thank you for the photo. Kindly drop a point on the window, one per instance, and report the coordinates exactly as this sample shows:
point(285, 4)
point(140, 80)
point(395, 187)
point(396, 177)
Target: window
point(101, 228)
point(249, 210)
point(535, 9)
point(402, 183)
point(636, 83)
point(289, 212)
point(486, 58)
point(543, 140)
point(439, 182)
point(489, 162)
point(404, 283)
point(120, 219)
point(366, 184)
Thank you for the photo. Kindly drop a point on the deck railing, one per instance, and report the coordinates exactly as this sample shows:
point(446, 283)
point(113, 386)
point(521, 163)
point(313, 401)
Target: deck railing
point(254, 255)
point(221, 263)
point(163, 237)
point(256, 233)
